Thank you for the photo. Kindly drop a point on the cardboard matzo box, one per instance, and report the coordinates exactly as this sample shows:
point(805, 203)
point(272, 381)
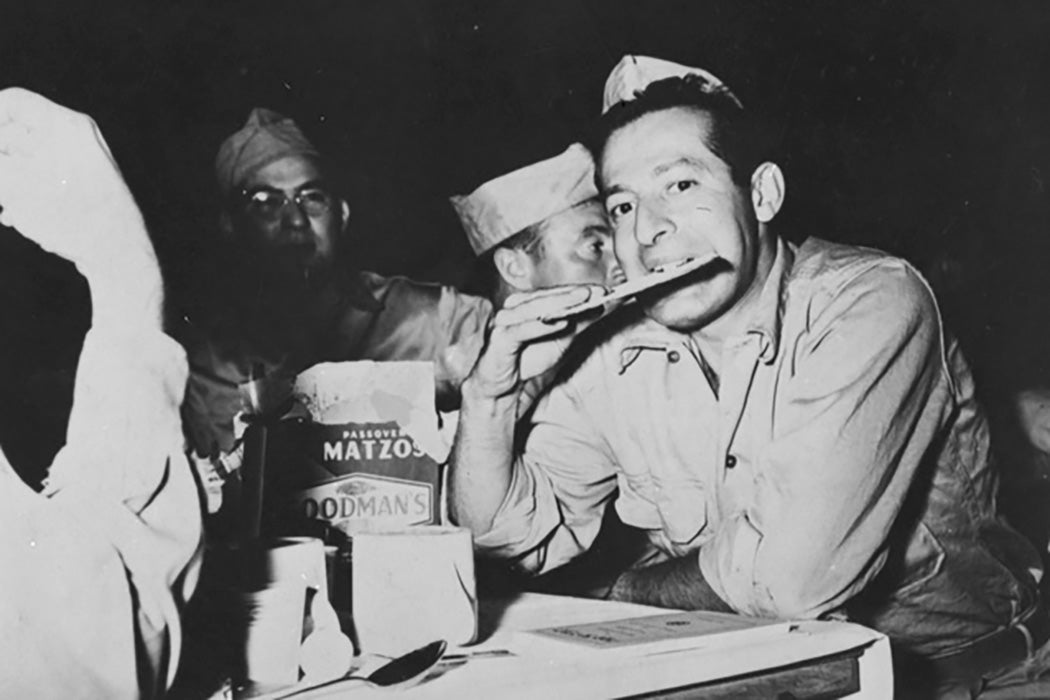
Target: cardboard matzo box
point(360, 450)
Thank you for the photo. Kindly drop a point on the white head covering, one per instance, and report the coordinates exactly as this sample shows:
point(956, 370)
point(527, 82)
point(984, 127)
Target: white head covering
point(634, 73)
point(500, 208)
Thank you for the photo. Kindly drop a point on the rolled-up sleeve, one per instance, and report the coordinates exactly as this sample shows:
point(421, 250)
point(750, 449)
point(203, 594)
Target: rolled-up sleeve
point(462, 320)
point(208, 412)
point(94, 570)
point(559, 489)
point(867, 396)
point(422, 321)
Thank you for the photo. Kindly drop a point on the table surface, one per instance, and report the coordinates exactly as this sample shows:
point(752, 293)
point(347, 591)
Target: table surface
point(531, 676)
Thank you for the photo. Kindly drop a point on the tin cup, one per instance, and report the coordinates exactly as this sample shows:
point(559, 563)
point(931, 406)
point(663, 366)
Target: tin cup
point(274, 631)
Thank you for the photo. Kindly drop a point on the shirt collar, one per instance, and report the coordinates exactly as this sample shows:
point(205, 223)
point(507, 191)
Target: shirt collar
point(770, 309)
point(358, 294)
point(765, 323)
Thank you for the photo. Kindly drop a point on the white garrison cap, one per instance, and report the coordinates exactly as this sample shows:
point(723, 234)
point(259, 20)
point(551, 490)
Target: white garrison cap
point(507, 205)
point(634, 73)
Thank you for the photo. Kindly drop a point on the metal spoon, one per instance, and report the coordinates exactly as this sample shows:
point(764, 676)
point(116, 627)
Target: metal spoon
point(402, 672)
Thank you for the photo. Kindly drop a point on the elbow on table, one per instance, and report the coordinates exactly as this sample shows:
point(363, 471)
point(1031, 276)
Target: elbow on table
point(807, 589)
point(792, 600)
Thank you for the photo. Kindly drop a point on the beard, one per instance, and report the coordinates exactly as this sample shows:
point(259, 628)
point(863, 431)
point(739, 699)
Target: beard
point(280, 297)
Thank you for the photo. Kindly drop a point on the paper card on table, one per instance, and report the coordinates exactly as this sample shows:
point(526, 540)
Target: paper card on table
point(650, 634)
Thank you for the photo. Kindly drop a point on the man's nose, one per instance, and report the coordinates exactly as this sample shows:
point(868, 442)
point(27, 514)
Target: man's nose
point(293, 214)
point(614, 274)
point(651, 223)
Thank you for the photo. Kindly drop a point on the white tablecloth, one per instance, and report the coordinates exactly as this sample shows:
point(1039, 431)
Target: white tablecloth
point(539, 677)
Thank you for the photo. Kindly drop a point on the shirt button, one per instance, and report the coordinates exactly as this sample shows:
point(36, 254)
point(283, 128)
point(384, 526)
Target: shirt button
point(673, 356)
point(730, 461)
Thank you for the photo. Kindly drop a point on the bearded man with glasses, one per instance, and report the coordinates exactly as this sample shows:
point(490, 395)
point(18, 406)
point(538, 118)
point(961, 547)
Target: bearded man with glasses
point(293, 296)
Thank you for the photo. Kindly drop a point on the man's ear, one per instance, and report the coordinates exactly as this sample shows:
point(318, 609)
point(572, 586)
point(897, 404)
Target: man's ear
point(514, 266)
point(344, 211)
point(767, 191)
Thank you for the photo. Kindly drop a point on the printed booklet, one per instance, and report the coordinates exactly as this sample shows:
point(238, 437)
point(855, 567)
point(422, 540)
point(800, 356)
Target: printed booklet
point(651, 634)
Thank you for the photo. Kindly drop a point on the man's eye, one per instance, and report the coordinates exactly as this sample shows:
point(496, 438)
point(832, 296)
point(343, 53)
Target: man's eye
point(592, 250)
point(617, 211)
point(683, 185)
point(315, 202)
point(265, 202)
point(316, 197)
point(263, 198)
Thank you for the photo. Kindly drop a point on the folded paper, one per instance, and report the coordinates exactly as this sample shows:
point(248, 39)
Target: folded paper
point(413, 587)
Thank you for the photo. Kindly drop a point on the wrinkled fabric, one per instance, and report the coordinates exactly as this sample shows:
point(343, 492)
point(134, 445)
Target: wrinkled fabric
point(839, 462)
point(386, 319)
point(266, 136)
point(509, 204)
point(94, 570)
point(633, 74)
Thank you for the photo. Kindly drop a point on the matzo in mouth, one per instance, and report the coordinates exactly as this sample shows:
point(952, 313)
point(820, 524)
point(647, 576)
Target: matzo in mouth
point(662, 274)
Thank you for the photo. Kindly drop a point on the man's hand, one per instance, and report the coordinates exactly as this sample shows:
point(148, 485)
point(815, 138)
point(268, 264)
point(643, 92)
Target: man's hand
point(520, 346)
point(60, 187)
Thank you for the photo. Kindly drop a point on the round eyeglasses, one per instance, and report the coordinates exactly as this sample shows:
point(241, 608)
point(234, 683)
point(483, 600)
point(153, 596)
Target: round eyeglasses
point(268, 204)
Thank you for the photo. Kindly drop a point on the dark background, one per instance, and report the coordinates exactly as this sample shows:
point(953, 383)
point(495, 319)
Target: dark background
point(922, 128)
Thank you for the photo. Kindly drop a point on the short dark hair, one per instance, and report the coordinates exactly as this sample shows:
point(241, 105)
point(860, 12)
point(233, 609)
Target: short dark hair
point(484, 279)
point(736, 135)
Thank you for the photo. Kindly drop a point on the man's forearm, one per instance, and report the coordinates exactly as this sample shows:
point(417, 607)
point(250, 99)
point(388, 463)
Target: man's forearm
point(677, 583)
point(482, 465)
point(482, 459)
